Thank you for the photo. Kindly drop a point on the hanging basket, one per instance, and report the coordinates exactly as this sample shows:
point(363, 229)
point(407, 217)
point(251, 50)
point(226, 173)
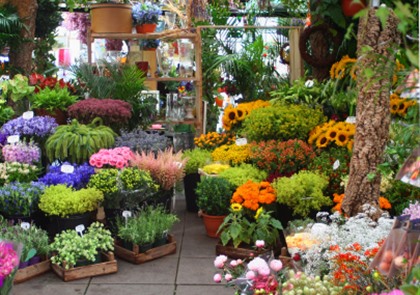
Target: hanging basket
point(111, 18)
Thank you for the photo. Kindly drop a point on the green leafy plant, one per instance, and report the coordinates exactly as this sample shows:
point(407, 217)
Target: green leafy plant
point(60, 200)
point(10, 26)
point(240, 174)
point(213, 195)
point(69, 247)
point(18, 91)
point(52, 99)
point(196, 158)
point(77, 142)
point(302, 192)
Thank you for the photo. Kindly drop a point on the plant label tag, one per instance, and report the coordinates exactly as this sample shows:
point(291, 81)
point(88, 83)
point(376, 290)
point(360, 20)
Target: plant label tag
point(79, 229)
point(126, 214)
point(68, 169)
point(12, 138)
point(241, 141)
point(178, 164)
point(25, 225)
point(336, 164)
point(28, 115)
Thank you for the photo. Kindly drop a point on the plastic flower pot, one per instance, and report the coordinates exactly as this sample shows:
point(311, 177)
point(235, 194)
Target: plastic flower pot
point(59, 224)
point(34, 260)
point(190, 184)
point(143, 248)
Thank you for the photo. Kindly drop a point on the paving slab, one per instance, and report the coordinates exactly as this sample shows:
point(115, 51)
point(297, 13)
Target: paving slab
point(203, 290)
point(124, 289)
point(195, 271)
point(49, 289)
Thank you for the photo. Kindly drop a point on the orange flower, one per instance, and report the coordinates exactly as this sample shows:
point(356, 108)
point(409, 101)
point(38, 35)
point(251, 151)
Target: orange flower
point(384, 203)
point(251, 195)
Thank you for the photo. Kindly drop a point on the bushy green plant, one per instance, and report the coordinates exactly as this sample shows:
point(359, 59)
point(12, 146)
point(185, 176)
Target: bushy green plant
point(18, 90)
point(63, 201)
point(281, 122)
point(77, 142)
point(104, 180)
point(214, 194)
point(52, 99)
point(196, 158)
point(302, 192)
point(69, 246)
point(238, 175)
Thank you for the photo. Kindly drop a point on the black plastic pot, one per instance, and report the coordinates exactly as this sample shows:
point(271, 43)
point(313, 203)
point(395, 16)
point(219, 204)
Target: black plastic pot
point(190, 185)
point(58, 224)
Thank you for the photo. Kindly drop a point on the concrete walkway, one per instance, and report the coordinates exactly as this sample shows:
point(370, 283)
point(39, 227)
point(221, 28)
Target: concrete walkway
point(188, 272)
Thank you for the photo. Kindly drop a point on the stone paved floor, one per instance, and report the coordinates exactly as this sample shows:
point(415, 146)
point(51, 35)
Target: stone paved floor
point(188, 272)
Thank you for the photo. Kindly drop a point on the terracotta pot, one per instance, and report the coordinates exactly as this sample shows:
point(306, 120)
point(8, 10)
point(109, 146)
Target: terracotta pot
point(212, 224)
point(350, 8)
point(146, 28)
point(111, 18)
point(219, 102)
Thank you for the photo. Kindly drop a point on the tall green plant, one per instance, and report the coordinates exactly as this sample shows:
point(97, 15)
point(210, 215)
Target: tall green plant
point(10, 26)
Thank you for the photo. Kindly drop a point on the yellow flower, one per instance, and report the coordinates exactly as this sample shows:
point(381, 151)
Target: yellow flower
point(331, 134)
point(350, 145)
point(322, 141)
point(342, 138)
point(258, 213)
point(241, 112)
point(332, 70)
point(236, 207)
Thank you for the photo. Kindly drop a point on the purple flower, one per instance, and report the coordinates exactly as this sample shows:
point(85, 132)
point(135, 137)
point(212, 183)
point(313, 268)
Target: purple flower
point(22, 152)
point(78, 179)
point(20, 198)
point(413, 210)
point(37, 126)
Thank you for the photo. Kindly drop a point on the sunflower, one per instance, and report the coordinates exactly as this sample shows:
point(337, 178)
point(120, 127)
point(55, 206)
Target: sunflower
point(394, 106)
point(241, 113)
point(322, 141)
point(229, 117)
point(332, 70)
point(236, 207)
point(258, 213)
point(342, 138)
point(350, 145)
point(332, 133)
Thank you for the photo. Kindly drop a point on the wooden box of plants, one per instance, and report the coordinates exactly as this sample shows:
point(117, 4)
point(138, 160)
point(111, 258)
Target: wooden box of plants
point(32, 271)
point(137, 257)
point(108, 266)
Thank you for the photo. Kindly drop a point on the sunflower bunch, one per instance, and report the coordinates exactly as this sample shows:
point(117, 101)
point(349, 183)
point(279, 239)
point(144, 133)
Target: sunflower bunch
point(399, 106)
point(340, 133)
point(344, 66)
point(233, 153)
point(252, 196)
point(212, 140)
point(233, 116)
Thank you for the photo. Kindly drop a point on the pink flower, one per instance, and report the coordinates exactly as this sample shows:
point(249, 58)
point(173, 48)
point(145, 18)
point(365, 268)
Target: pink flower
point(264, 271)
point(276, 265)
point(220, 260)
point(250, 275)
point(239, 261)
point(259, 243)
point(233, 263)
point(217, 278)
point(228, 277)
point(257, 263)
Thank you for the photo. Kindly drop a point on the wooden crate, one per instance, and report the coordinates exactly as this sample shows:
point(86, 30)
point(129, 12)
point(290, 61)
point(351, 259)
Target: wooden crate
point(138, 258)
point(108, 266)
point(238, 253)
point(27, 273)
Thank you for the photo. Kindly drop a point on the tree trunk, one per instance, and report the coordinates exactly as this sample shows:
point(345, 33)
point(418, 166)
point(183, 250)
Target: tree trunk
point(376, 58)
point(21, 57)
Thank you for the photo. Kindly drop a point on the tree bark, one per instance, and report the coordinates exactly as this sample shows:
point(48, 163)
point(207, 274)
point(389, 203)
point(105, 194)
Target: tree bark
point(21, 57)
point(376, 58)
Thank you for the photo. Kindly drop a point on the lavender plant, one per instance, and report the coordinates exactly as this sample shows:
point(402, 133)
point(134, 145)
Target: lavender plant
point(22, 152)
point(78, 179)
point(20, 199)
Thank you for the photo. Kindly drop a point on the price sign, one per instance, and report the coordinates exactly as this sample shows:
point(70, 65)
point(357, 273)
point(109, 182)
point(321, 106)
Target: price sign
point(241, 141)
point(25, 225)
point(28, 115)
point(127, 214)
point(79, 229)
point(336, 164)
point(69, 169)
point(12, 138)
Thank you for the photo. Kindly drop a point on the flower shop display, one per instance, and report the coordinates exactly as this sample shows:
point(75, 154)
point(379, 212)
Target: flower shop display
point(213, 199)
point(281, 158)
point(145, 236)
point(20, 200)
point(212, 140)
point(233, 154)
point(146, 16)
point(138, 140)
point(117, 157)
point(339, 133)
point(196, 158)
point(233, 116)
point(38, 127)
point(9, 258)
point(19, 172)
point(78, 178)
point(77, 142)
point(114, 113)
point(77, 256)
point(21, 152)
point(239, 175)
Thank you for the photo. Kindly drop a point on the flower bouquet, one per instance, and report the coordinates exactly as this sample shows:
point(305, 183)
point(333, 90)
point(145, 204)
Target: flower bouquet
point(9, 261)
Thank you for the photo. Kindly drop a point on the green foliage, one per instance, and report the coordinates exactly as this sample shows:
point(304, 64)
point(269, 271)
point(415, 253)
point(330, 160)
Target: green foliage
point(52, 99)
point(149, 224)
point(10, 26)
point(63, 201)
point(302, 192)
point(77, 142)
point(281, 122)
point(104, 180)
point(196, 158)
point(70, 247)
point(239, 175)
point(213, 195)
point(16, 88)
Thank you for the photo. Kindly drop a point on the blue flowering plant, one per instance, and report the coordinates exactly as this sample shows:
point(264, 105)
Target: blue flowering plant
point(37, 127)
point(77, 179)
point(20, 199)
point(146, 13)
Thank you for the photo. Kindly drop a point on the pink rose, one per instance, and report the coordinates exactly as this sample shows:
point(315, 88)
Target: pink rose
point(233, 263)
point(228, 277)
point(217, 278)
point(259, 243)
point(250, 275)
point(220, 260)
point(276, 265)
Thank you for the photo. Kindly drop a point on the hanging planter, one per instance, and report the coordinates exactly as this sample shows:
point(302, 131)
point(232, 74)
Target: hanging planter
point(351, 7)
point(111, 18)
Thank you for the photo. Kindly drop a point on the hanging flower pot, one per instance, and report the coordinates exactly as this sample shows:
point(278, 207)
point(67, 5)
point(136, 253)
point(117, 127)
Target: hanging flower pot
point(111, 18)
point(351, 7)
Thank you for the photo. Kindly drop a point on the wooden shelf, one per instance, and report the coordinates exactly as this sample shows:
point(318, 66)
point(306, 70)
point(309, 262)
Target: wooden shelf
point(162, 35)
point(169, 79)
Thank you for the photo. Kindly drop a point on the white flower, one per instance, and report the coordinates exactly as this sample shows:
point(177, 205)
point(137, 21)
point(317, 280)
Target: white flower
point(309, 83)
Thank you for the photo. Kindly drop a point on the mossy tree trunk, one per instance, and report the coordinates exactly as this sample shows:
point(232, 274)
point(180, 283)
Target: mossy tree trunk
point(376, 48)
point(21, 56)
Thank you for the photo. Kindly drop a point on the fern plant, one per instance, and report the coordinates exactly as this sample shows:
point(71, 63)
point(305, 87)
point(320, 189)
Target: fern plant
point(77, 142)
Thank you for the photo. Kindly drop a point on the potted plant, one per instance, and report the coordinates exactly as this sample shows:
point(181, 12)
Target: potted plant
point(196, 158)
point(73, 250)
point(67, 207)
point(37, 128)
point(239, 175)
point(213, 199)
point(18, 91)
point(140, 141)
point(77, 142)
point(77, 179)
point(21, 152)
point(118, 157)
point(145, 17)
point(19, 201)
point(18, 172)
point(149, 44)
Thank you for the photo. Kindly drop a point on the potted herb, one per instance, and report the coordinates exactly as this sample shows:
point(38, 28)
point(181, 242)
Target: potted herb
point(72, 250)
point(67, 207)
point(196, 158)
point(113, 112)
point(213, 199)
point(77, 179)
point(145, 17)
point(140, 141)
